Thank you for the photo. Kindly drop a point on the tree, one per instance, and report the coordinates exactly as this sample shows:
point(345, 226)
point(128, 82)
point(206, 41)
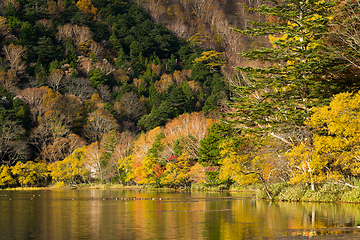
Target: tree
point(93, 160)
point(176, 171)
point(276, 99)
point(4, 28)
point(129, 107)
point(56, 79)
point(336, 142)
point(61, 148)
point(30, 173)
point(6, 177)
point(33, 97)
point(9, 80)
point(14, 54)
point(343, 41)
point(209, 151)
point(72, 170)
point(14, 120)
point(212, 59)
point(239, 164)
point(79, 87)
point(125, 169)
point(86, 7)
point(308, 167)
point(158, 116)
point(99, 122)
point(13, 146)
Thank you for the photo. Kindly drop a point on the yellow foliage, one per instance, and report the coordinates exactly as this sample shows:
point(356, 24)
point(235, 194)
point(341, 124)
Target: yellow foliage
point(5, 176)
point(238, 165)
point(211, 58)
point(30, 172)
point(71, 169)
point(338, 127)
point(125, 165)
point(51, 98)
point(149, 172)
point(86, 7)
point(177, 171)
point(163, 84)
point(308, 166)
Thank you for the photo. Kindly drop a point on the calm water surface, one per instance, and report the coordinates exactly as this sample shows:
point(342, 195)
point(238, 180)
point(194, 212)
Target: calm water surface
point(97, 214)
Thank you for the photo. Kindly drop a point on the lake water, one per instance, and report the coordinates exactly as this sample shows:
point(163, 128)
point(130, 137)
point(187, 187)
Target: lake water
point(97, 214)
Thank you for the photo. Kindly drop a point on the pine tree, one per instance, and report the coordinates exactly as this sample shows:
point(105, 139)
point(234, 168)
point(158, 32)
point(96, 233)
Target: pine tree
point(276, 99)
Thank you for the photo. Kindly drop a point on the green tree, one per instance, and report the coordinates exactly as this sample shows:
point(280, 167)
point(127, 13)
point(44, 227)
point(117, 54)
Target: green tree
point(158, 116)
point(209, 150)
point(97, 78)
point(276, 99)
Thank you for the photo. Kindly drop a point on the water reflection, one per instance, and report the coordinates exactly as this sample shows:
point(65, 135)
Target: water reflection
point(125, 214)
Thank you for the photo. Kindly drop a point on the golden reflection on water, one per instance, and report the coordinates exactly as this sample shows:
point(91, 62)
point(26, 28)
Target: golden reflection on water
point(97, 214)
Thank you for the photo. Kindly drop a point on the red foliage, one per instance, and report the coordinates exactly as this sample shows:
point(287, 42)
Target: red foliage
point(173, 158)
point(159, 170)
point(211, 169)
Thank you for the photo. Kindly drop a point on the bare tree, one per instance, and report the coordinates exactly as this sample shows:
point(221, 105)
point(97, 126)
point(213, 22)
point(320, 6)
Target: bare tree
point(96, 49)
point(56, 79)
point(129, 107)
point(104, 92)
point(79, 87)
point(14, 54)
point(33, 97)
point(99, 122)
point(12, 147)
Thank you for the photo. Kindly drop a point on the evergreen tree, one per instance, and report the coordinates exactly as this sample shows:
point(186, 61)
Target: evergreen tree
point(209, 150)
point(276, 99)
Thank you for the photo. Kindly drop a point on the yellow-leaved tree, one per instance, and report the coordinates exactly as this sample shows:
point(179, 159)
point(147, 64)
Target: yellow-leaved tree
point(87, 7)
point(125, 169)
point(212, 59)
point(71, 170)
point(240, 163)
point(5, 176)
point(308, 167)
point(177, 171)
point(337, 136)
point(29, 173)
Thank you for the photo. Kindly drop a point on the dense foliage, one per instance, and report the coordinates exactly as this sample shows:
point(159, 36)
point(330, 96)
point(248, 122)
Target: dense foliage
point(101, 91)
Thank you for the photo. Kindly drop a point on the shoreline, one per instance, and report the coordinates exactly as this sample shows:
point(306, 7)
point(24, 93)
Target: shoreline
point(280, 192)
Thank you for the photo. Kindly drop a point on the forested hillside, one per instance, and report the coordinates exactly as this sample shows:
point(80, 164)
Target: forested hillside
point(74, 74)
point(144, 92)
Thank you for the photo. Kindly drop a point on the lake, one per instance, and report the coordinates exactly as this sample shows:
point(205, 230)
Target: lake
point(130, 214)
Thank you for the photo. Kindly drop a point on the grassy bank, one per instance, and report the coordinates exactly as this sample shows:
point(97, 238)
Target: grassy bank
point(322, 193)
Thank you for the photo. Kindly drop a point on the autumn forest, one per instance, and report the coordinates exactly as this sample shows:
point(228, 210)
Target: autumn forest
point(180, 93)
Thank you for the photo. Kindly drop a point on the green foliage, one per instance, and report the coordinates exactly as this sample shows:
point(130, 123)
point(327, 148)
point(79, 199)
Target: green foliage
point(97, 78)
point(158, 117)
point(277, 98)
point(157, 146)
point(214, 60)
point(209, 150)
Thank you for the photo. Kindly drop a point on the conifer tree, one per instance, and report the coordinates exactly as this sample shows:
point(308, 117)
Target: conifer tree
point(276, 99)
